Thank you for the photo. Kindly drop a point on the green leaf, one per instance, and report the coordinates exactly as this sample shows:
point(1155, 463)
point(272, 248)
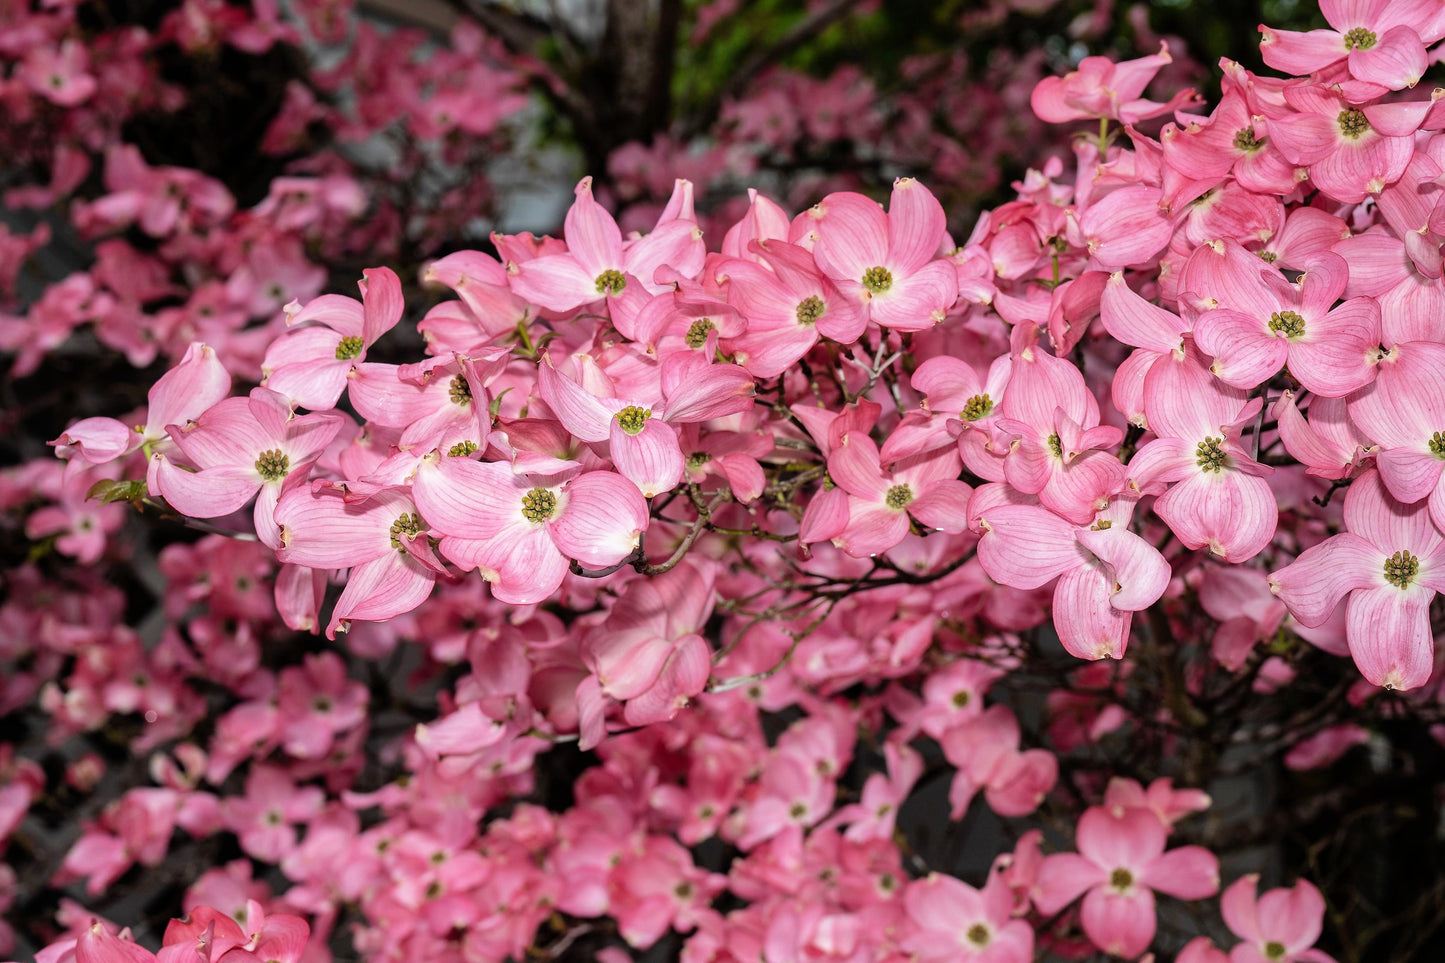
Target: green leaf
point(107, 491)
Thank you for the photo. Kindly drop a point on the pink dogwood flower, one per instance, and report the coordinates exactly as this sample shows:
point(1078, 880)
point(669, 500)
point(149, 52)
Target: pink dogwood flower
point(1279, 927)
point(1376, 39)
point(241, 447)
point(520, 530)
point(956, 922)
point(383, 541)
point(1388, 563)
point(1216, 495)
point(888, 263)
point(599, 266)
point(1264, 322)
point(1105, 572)
point(310, 365)
point(880, 503)
point(1121, 862)
point(1101, 88)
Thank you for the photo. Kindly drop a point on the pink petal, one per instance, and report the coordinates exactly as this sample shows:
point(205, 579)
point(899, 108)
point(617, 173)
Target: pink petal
point(1088, 626)
point(381, 303)
point(1118, 924)
point(1324, 574)
point(1389, 635)
point(1294, 916)
point(683, 677)
point(601, 521)
point(1140, 573)
point(1189, 872)
point(593, 238)
point(1239, 909)
point(916, 225)
point(1232, 513)
point(852, 236)
point(853, 465)
point(1063, 878)
point(556, 282)
point(1026, 547)
point(1245, 352)
point(651, 459)
point(381, 589)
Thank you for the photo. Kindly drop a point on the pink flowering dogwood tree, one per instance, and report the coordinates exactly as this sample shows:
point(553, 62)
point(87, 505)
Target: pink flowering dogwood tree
point(641, 589)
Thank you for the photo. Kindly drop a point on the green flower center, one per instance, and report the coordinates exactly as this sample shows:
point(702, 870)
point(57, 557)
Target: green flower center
point(1245, 140)
point(697, 334)
point(459, 391)
point(899, 497)
point(697, 459)
point(1359, 39)
point(1401, 569)
point(979, 406)
point(978, 935)
point(1274, 949)
point(1056, 446)
point(273, 465)
point(462, 449)
point(1353, 123)
point(538, 505)
point(348, 349)
point(611, 282)
point(1437, 445)
point(1211, 455)
point(878, 279)
point(632, 418)
point(811, 308)
point(1121, 879)
point(1287, 323)
point(1269, 257)
point(406, 524)
point(961, 698)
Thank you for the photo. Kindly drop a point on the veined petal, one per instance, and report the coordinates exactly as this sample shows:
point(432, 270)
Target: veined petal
point(1088, 626)
point(854, 466)
point(381, 303)
point(209, 493)
point(579, 410)
point(1324, 574)
point(916, 226)
point(1026, 547)
point(1389, 634)
point(1138, 322)
point(593, 238)
point(380, 589)
point(470, 499)
point(1245, 353)
point(604, 515)
point(650, 458)
point(556, 282)
point(1232, 513)
point(1141, 574)
point(852, 236)
point(873, 528)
